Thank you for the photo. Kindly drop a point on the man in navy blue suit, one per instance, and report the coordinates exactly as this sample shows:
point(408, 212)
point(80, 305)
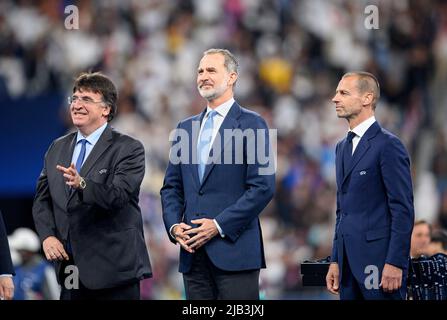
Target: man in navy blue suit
point(6, 267)
point(375, 213)
point(212, 197)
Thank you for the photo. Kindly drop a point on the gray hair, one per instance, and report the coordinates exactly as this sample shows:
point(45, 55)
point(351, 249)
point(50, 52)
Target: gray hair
point(366, 82)
point(230, 62)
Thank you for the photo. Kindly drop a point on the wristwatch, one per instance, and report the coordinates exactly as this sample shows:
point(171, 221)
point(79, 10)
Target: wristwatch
point(82, 184)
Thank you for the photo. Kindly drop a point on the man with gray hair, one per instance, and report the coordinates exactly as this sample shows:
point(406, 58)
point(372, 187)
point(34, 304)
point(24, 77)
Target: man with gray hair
point(211, 208)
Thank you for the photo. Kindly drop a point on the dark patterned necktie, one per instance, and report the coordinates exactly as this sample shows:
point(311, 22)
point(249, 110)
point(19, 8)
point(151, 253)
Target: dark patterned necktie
point(347, 152)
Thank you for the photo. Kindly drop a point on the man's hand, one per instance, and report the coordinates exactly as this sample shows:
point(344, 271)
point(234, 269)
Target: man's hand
point(53, 249)
point(72, 177)
point(6, 288)
point(206, 231)
point(332, 278)
point(391, 278)
point(178, 232)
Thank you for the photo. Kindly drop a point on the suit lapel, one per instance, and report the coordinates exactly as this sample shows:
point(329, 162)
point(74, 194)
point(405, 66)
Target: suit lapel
point(362, 147)
point(339, 163)
point(229, 122)
point(65, 159)
point(194, 167)
point(104, 142)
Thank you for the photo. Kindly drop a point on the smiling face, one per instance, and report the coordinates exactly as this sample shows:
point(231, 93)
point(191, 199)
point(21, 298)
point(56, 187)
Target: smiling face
point(88, 112)
point(214, 81)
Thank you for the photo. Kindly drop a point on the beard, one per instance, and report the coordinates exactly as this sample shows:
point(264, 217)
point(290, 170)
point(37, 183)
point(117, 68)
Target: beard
point(213, 93)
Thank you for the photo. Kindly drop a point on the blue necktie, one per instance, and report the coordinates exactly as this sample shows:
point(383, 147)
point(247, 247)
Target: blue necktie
point(81, 156)
point(347, 152)
point(203, 146)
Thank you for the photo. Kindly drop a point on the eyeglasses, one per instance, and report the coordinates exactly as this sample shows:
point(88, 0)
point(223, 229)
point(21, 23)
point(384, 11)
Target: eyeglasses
point(85, 100)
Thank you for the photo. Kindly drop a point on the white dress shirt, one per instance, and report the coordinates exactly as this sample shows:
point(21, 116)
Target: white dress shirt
point(222, 112)
point(91, 139)
point(360, 130)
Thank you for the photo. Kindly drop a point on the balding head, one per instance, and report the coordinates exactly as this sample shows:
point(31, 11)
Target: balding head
point(366, 83)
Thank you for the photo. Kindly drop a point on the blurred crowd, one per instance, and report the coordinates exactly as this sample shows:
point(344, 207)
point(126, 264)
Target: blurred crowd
point(291, 55)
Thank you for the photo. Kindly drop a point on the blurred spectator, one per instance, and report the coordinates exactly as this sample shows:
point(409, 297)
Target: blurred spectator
point(438, 243)
point(291, 55)
point(35, 278)
point(420, 238)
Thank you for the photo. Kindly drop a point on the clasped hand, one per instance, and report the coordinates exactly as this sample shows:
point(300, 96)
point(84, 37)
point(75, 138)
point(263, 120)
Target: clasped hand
point(191, 238)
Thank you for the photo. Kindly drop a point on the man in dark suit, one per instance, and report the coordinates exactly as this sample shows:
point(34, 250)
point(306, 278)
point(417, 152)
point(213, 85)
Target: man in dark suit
point(375, 213)
point(86, 205)
point(211, 201)
point(6, 268)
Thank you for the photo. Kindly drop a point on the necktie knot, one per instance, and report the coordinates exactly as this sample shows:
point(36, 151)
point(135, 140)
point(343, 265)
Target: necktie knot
point(350, 136)
point(211, 115)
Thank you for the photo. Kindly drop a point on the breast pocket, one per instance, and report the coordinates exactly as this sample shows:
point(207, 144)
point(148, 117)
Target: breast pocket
point(100, 175)
point(361, 178)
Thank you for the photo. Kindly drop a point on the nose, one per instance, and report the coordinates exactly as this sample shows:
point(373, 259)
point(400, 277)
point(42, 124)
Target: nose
point(335, 98)
point(204, 76)
point(76, 105)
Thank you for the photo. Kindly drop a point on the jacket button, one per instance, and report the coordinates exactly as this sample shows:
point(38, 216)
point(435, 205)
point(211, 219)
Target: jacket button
point(201, 193)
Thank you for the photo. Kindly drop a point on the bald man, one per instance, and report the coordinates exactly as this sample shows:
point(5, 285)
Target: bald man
point(375, 211)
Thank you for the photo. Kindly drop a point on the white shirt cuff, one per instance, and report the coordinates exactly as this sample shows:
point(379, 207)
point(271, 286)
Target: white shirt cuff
point(170, 230)
point(6, 275)
point(219, 229)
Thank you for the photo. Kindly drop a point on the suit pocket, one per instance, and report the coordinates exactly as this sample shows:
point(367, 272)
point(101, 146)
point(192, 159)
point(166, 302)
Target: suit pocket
point(376, 234)
point(122, 246)
point(360, 179)
point(99, 175)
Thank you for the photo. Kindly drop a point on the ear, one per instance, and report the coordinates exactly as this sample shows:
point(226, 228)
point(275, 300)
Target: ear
point(106, 111)
point(368, 98)
point(232, 79)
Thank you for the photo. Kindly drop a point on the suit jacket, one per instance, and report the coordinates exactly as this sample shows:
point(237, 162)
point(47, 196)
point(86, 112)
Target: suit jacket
point(375, 213)
point(104, 220)
point(233, 194)
point(5, 255)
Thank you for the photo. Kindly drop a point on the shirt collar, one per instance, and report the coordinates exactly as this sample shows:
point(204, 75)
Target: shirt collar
point(222, 109)
point(364, 126)
point(94, 136)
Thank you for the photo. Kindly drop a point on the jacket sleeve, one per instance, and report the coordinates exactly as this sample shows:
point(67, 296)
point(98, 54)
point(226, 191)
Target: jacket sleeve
point(172, 196)
point(5, 255)
point(395, 168)
point(43, 206)
point(334, 256)
point(260, 188)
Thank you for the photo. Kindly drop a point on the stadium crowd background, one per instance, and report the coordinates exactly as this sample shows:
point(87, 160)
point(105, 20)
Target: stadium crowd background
point(291, 55)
